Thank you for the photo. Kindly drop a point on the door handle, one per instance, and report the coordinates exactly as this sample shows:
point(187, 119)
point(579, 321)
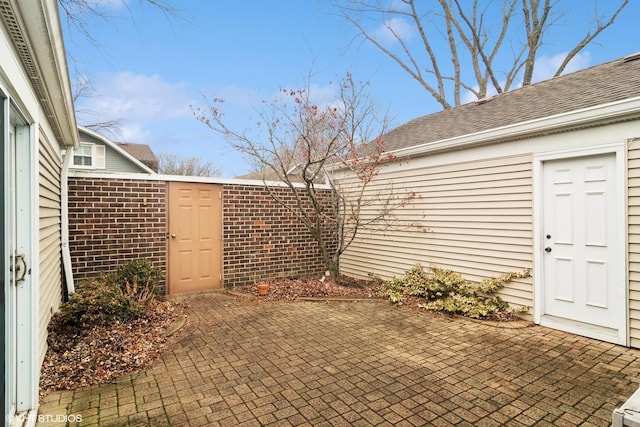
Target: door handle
point(21, 268)
point(547, 249)
point(173, 235)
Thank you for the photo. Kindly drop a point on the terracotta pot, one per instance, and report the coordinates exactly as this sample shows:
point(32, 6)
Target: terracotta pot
point(263, 288)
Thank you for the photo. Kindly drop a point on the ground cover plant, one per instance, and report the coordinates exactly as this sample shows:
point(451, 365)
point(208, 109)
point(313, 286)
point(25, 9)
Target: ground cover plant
point(446, 291)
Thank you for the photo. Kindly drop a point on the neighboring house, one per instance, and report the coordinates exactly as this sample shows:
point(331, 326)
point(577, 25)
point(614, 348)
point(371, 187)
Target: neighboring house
point(37, 123)
point(293, 174)
point(545, 177)
point(141, 152)
point(97, 153)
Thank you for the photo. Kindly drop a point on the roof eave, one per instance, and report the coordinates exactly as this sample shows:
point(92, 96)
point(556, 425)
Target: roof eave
point(628, 109)
point(40, 24)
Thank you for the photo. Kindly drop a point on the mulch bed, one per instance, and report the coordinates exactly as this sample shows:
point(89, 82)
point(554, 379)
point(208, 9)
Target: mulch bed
point(286, 289)
point(103, 353)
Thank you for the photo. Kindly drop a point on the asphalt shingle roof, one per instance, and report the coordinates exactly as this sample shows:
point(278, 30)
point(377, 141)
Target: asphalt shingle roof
point(613, 81)
point(141, 152)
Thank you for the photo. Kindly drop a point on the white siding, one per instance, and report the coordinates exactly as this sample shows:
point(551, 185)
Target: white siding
point(472, 217)
point(49, 239)
point(634, 241)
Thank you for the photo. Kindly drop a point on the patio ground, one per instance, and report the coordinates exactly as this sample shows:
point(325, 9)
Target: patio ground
point(252, 363)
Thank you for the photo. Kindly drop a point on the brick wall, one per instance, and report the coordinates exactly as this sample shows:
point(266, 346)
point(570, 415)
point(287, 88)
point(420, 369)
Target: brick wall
point(112, 221)
point(262, 239)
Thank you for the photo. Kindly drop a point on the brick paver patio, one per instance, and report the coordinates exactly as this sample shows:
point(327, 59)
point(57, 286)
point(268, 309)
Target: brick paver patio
point(255, 363)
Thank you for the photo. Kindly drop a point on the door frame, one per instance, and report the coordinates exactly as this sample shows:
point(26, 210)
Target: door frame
point(5, 358)
point(20, 301)
point(620, 212)
point(27, 292)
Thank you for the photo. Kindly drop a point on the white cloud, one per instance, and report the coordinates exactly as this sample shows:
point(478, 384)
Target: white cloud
point(136, 98)
point(133, 132)
point(250, 100)
point(392, 29)
point(546, 66)
point(239, 96)
point(322, 95)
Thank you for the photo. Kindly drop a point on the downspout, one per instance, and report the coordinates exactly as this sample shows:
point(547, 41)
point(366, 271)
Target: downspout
point(64, 219)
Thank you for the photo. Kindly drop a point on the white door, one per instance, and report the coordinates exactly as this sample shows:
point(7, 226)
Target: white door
point(583, 270)
point(19, 378)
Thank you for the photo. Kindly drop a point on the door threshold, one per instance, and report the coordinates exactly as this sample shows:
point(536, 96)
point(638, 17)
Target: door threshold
point(584, 329)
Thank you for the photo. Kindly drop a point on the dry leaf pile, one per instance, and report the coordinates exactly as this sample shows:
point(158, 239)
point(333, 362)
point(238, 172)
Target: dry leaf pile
point(104, 353)
point(316, 287)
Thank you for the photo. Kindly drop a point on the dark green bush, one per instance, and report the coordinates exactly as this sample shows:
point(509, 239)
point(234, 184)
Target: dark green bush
point(137, 279)
point(96, 303)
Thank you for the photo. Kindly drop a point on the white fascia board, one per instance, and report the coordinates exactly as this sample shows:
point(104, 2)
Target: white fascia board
point(117, 148)
point(620, 110)
point(79, 173)
point(236, 181)
point(41, 24)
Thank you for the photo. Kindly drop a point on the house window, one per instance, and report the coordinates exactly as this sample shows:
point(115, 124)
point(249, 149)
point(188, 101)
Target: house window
point(89, 156)
point(82, 156)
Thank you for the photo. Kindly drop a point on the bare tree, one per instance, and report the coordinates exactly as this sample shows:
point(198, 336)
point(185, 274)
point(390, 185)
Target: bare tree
point(82, 88)
point(301, 143)
point(79, 15)
point(460, 35)
point(172, 164)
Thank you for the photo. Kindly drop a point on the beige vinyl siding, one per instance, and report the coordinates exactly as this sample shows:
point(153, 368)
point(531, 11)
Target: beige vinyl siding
point(473, 217)
point(634, 241)
point(49, 239)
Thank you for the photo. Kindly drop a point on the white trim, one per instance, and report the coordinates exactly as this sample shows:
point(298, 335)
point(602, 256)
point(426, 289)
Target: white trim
point(181, 178)
point(619, 149)
point(34, 288)
point(27, 306)
point(8, 290)
point(91, 155)
point(99, 156)
point(64, 220)
point(42, 32)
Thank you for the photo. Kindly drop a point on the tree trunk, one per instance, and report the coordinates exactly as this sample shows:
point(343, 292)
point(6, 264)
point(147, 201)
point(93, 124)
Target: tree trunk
point(334, 271)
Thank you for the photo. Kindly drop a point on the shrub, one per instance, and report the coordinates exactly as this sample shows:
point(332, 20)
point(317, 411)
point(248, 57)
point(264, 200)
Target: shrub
point(96, 303)
point(448, 291)
point(137, 279)
point(394, 291)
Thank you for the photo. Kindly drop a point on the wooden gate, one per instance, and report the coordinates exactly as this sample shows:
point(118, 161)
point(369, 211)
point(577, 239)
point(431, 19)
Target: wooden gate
point(195, 237)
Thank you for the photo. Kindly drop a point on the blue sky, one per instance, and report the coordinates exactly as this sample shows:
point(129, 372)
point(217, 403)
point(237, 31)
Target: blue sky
point(148, 69)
